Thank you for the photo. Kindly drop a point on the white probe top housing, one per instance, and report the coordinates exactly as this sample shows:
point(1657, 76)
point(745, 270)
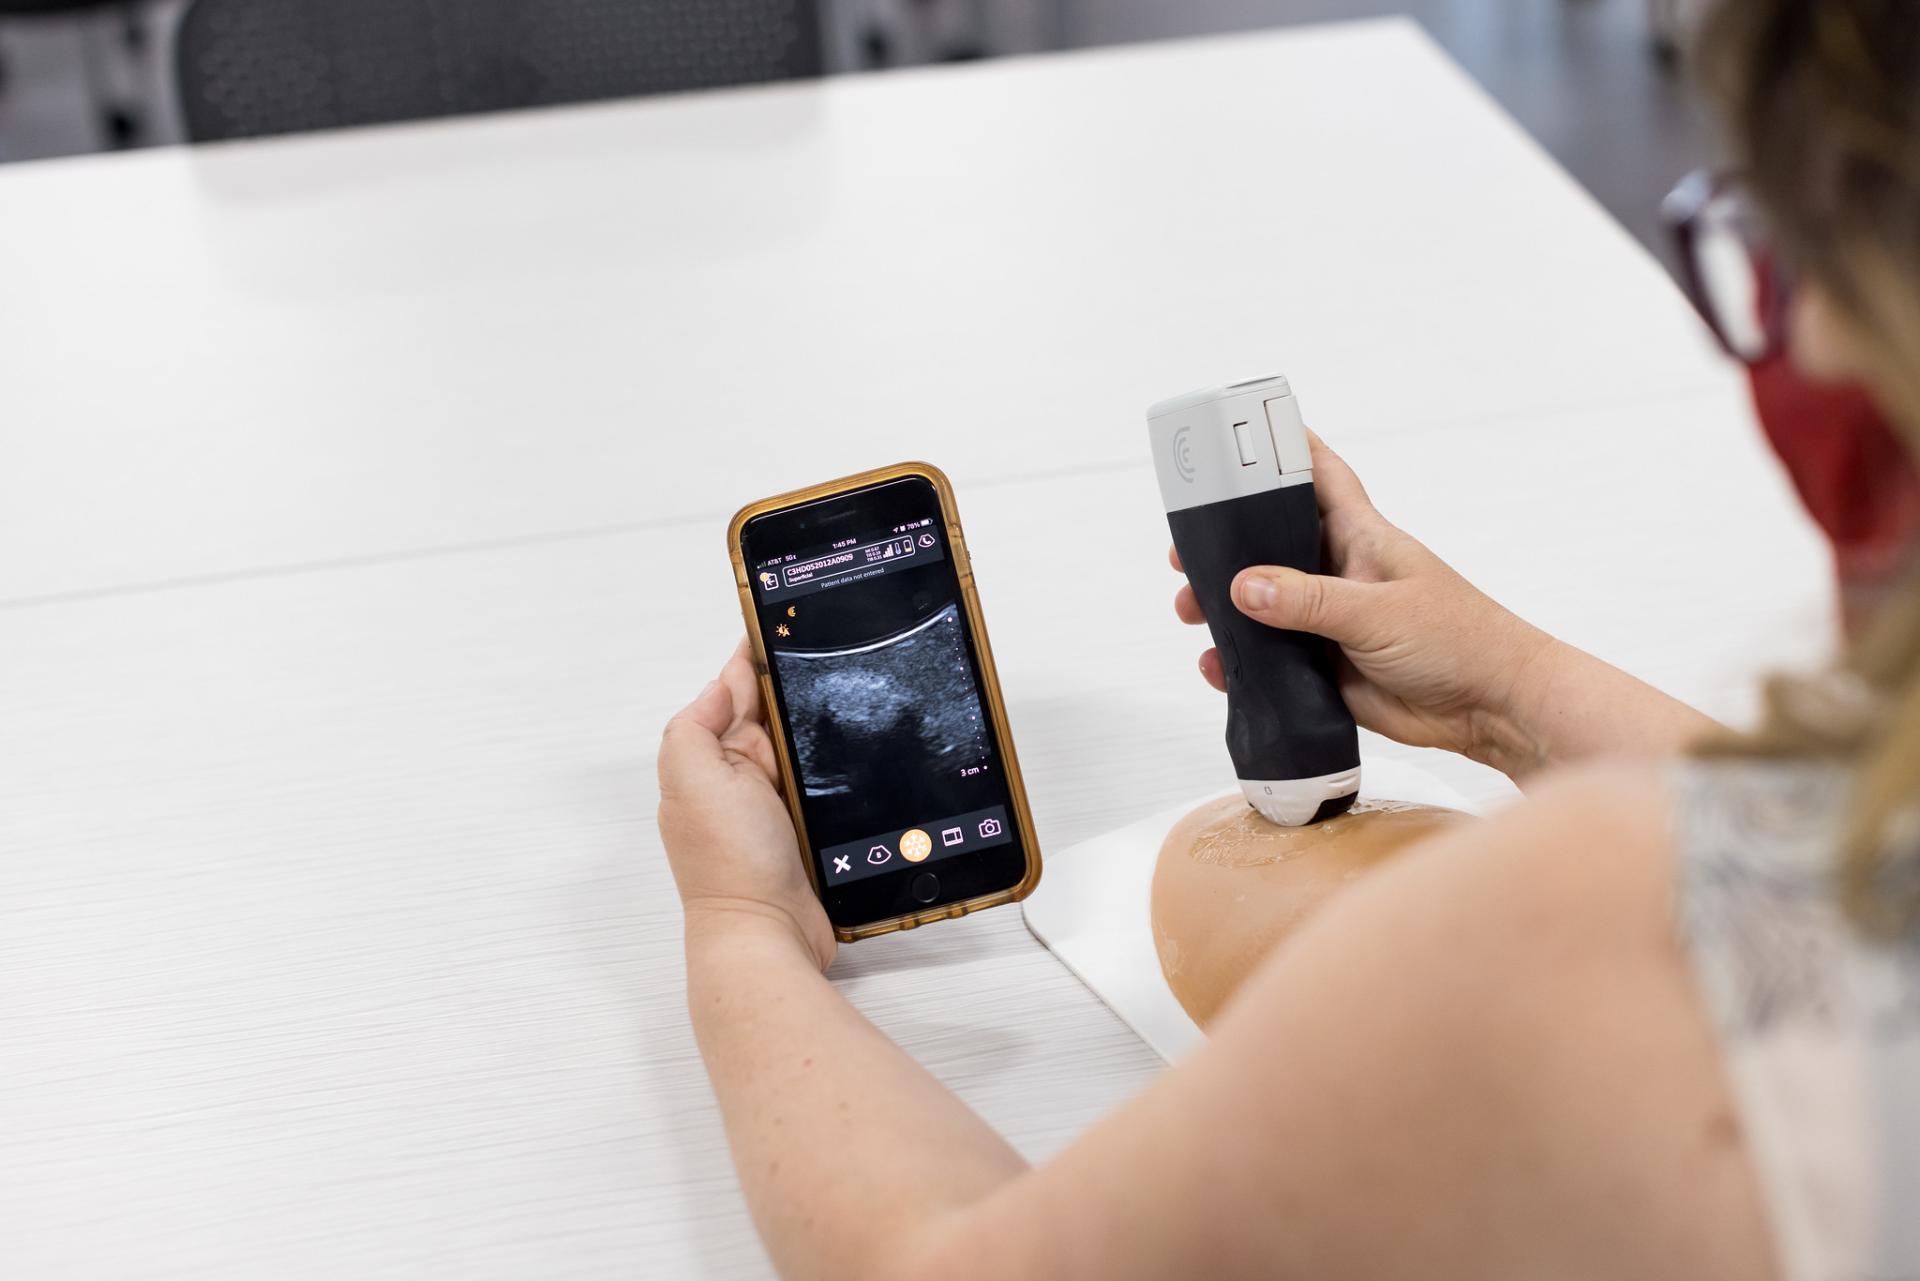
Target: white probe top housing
point(1229, 442)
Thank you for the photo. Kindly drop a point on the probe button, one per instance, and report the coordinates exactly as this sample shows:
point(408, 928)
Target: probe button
point(926, 887)
point(1243, 438)
point(1289, 434)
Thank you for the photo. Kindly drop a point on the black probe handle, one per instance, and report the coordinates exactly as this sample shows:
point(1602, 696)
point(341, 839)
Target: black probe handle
point(1285, 716)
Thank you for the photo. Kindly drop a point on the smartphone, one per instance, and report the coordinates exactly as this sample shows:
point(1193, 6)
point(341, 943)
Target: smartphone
point(884, 708)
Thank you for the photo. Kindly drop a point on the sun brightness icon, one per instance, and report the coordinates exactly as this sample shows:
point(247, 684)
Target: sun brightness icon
point(783, 630)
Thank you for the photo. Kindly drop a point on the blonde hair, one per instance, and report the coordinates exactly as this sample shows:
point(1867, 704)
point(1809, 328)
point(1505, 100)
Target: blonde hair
point(1822, 101)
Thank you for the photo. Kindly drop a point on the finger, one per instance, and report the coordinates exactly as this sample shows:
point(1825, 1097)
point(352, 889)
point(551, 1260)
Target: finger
point(691, 741)
point(1210, 670)
point(751, 743)
point(746, 734)
point(1186, 606)
point(1173, 557)
point(743, 683)
point(1335, 483)
point(1337, 608)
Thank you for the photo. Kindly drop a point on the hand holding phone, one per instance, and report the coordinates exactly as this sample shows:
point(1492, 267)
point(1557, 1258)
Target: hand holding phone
point(726, 827)
point(885, 711)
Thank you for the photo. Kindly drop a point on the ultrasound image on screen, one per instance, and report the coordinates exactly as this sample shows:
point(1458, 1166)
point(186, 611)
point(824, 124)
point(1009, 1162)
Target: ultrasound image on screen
point(886, 715)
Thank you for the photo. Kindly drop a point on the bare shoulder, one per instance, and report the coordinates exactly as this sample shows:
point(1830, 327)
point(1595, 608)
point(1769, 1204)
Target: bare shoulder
point(1578, 874)
point(1487, 1060)
point(1587, 854)
point(1566, 1088)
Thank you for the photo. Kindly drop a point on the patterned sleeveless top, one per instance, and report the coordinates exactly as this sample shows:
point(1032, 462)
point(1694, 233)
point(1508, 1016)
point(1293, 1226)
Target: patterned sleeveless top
point(1819, 1025)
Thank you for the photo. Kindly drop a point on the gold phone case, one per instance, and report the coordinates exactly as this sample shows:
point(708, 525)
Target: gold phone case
point(1003, 735)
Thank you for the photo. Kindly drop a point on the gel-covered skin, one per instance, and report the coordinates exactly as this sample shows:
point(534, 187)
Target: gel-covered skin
point(1230, 886)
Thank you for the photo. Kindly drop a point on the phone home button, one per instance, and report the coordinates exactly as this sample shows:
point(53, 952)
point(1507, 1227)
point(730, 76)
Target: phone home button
point(926, 887)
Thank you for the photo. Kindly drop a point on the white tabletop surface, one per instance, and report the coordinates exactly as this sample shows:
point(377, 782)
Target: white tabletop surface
point(360, 523)
point(324, 348)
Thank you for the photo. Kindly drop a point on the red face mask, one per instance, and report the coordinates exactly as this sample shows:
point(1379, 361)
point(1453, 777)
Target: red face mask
point(1853, 472)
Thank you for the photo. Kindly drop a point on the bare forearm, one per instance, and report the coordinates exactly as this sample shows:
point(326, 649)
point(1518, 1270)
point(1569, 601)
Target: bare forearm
point(849, 1151)
point(1566, 706)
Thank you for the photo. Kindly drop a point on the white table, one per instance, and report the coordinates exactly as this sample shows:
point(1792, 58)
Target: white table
point(328, 348)
point(360, 506)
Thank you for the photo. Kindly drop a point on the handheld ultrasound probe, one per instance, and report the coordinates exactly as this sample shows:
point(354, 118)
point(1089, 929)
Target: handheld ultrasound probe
point(1236, 476)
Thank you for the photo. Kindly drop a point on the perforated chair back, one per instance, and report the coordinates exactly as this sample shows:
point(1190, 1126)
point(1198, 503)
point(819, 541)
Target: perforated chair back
point(253, 67)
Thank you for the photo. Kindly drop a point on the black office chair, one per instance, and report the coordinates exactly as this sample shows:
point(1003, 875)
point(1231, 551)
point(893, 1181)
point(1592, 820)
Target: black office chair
point(253, 67)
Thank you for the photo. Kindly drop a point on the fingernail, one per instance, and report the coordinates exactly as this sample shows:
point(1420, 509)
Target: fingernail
point(1257, 593)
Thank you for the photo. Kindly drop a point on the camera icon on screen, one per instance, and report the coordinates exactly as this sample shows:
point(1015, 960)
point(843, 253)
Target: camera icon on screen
point(989, 827)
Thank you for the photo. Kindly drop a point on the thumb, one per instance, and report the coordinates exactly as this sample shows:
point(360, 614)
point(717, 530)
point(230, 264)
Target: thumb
point(691, 741)
point(1331, 607)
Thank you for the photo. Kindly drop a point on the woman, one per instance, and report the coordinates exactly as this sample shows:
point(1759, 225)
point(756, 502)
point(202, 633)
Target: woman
point(1662, 1019)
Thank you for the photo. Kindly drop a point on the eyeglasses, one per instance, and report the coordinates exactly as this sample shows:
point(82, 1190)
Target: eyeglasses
point(1731, 272)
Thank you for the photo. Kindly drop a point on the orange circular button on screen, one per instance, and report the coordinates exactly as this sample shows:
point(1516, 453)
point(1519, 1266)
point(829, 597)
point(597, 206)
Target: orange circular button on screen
point(915, 845)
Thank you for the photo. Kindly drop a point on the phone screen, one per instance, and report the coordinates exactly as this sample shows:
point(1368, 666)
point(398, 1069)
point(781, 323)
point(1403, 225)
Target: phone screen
point(878, 686)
